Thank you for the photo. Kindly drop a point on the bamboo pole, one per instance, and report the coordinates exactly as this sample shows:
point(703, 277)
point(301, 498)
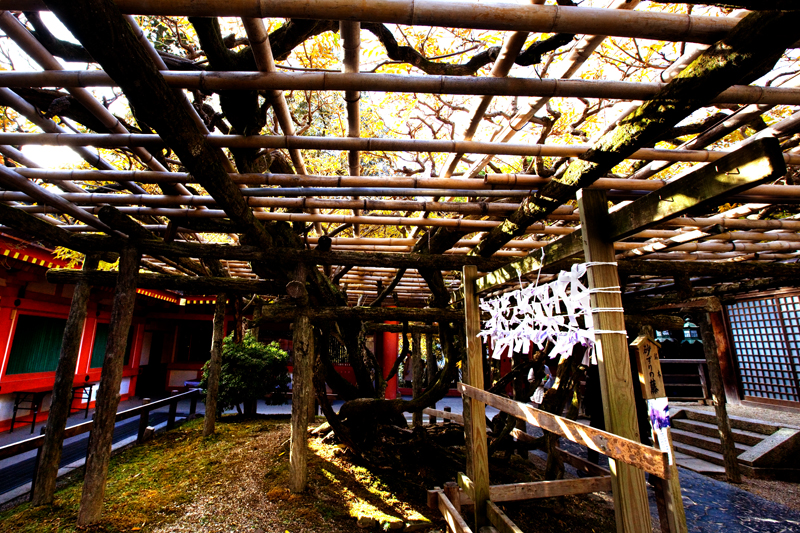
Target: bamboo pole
point(564, 69)
point(156, 57)
point(99, 452)
point(493, 184)
point(462, 14)
point(512, 44)
point(44, 486)
point(12, 99)
point(351, 42)
point(262, 51)
point(20, 35)
point(212, 392)
point(363, 144)
point(455, 85)
point(10, 179)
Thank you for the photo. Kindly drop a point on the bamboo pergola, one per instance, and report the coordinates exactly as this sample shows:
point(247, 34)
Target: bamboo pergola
point(503, 193)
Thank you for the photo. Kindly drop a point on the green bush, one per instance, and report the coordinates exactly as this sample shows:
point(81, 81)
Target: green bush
point(250, 371)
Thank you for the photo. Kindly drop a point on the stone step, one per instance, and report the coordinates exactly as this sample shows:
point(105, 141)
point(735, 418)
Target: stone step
point(700, 453)
point(746, 424)
point(697, 465)
point(701, 441)
point(750, 438)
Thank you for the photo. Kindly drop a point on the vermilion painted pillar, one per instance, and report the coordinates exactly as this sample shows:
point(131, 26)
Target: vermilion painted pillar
point(389, 346)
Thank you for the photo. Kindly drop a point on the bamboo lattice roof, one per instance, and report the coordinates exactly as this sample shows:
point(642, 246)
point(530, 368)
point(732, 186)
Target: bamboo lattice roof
point(458, 161)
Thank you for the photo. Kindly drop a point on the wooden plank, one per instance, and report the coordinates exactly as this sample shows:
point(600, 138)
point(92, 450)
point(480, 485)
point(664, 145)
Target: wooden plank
point(579, 463)
point(455, 417)
point(611, 348)
point(738, 171)
point(548, 489)
point(752, 164)
point(455, 522)
point(499, 520)
point(625, 450)
point(475, 412)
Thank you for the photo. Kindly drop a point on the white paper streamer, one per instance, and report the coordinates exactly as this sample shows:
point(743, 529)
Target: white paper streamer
point(658, 410)
point(559, 312)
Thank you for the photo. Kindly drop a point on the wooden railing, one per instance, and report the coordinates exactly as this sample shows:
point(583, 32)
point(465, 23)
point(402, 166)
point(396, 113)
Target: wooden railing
point(450, 499)
point(142, 411)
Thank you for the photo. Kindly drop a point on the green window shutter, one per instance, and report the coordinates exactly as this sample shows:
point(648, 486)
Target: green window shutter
point(36, 345)
point(99, 348)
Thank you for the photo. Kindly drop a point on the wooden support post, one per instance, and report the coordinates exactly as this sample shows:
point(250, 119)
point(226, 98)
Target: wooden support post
point(212, 392)
point(669, 502)
point(616, 384)
point(37, 464)
point(718, 399)
point(50, 452)
point(193, 405)
point(99, 452)
point(475, 411)
point(302, 396)
point(144, 421)
point(725, 357)
point(418, 375)
point(173, 412)
point(451, 491)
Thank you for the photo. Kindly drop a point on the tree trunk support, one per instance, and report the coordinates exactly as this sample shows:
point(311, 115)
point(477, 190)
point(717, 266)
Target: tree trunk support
point(729, 452)
point(212, 392)
point(99, 451)
point(630, 495)
point(50, 453)
point(418, 375)
point(475, 411)
point(302, 397)
point(725, 357)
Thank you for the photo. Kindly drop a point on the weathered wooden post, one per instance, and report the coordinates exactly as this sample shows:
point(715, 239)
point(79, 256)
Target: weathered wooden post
point(630, 495)
point(144, 421)
point(672, 515)
point(212, 392)
point(49, 454)
point(418, 377)
point(99, 452)
point(475, 411)
point(302, 384)
point(729, 452)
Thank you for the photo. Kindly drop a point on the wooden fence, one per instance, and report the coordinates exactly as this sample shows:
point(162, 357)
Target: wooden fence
point(143, 412)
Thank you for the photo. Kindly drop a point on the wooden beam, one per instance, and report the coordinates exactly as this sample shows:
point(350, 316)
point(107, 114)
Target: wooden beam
point(455, 417)
point(499, 520)
point(283, 313)
point(738, 171)
point(611, 348)
point(750, 165)
point(708, 268)
point(477, 450)
point(455, 522)
point(398, 328)
point(547, 489)
point(624, 450)
point(196, 285)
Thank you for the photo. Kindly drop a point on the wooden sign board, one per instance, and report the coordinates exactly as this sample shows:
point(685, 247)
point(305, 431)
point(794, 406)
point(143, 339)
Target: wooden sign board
point(650, 378)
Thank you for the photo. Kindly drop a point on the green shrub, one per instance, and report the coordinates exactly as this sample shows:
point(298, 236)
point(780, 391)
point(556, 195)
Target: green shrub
point(250, 371)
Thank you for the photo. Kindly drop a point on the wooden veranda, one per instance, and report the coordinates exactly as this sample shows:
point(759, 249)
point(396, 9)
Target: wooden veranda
point(683, 192)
